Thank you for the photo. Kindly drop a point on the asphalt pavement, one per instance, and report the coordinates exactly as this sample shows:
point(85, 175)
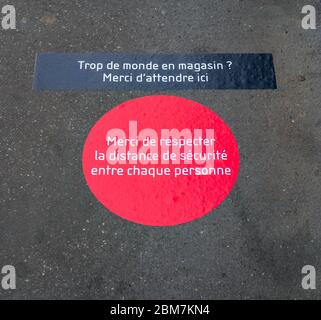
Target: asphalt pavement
point(66, 245)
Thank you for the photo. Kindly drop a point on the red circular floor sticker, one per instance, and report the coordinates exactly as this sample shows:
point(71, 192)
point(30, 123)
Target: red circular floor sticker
point(160, 160)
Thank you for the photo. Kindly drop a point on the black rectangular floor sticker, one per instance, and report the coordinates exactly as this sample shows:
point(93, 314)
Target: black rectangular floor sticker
point(111, 71)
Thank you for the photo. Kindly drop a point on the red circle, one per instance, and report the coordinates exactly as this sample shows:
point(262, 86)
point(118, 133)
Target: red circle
point(168, 199)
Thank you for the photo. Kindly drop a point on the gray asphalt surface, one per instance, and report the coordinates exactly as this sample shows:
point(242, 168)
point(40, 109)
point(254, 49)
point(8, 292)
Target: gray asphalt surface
point(65, 244)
